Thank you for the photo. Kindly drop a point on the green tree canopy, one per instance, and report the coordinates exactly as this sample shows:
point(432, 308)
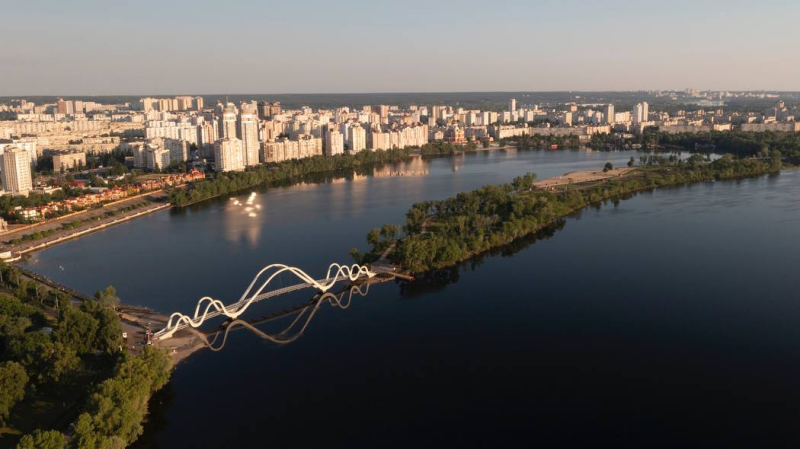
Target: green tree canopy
point(12, 387)
point(43, 439)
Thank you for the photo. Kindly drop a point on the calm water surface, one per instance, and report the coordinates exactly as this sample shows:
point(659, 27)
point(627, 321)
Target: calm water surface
point(668, 319)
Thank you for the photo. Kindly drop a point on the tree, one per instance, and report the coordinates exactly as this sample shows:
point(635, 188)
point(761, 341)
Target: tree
point(77, 330)
point(12, 387)
point(108, 338)
point(117, 407)
point(43, 360)
point(374, 236)
point(525, 182)
point(355, 253)
point(108, 297)
point(390, 231)
point(43, 439)
point(85, 435)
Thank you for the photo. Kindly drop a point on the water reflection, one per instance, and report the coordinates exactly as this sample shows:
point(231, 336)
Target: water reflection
point(241, 220)
point(437, 280)
point(216, 339)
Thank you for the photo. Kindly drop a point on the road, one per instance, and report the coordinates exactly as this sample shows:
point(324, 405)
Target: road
point(97, 220)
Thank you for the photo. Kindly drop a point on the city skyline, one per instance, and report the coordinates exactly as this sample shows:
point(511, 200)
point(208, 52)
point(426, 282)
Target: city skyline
point(92, 48)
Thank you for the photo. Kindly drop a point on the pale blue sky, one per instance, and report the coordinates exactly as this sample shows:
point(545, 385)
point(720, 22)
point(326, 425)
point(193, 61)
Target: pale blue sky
point(87, 47)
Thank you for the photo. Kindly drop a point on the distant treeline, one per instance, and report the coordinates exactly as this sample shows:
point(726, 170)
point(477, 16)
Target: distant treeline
point(433, 149)
point(443, 233)
point(740, 143)
point(231, 182)
point(540, 142)
point(737, 142)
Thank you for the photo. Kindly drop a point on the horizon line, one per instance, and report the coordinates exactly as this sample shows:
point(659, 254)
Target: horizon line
point(401, 92)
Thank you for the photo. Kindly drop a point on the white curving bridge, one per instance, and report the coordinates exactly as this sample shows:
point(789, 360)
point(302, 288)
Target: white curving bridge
point(208, 307)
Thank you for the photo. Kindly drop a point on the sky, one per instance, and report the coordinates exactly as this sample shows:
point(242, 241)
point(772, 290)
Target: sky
point(145, 47)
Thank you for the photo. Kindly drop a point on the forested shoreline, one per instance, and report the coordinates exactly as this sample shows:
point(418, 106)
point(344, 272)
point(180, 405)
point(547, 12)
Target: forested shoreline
point(231, 182)
point(65, 380)
point(440, 234)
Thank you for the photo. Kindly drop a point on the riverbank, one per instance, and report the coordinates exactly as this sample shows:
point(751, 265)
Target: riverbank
point(71, 371)
point(440, 234)
point(266, 174)
point(39, 236)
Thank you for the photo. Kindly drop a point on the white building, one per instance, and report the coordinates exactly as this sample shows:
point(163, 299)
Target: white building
point(248, 133)
point(285, 149)
point(357, 139)
point(178, 150)
point(610, 114)
point(157, 158)
point(334, 142)
point(27, 144)
point(640, 112)
point(227, 126)
point(16, 171)
point(229, 155)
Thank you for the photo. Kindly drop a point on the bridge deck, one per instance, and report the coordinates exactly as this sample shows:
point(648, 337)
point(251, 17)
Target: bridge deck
point(235, 307)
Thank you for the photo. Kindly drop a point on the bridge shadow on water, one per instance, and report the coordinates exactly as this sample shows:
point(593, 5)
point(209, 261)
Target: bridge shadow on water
point(291, 323)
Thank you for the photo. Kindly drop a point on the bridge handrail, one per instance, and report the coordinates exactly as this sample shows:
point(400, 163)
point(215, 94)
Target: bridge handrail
point(178, 320)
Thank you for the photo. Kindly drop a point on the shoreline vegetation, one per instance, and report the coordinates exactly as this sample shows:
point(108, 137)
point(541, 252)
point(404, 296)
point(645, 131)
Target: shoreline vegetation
point(66, 382)
point(53, 352)
point(440, 234)
point(70, 225)
point(290, 172)
point(267, 174)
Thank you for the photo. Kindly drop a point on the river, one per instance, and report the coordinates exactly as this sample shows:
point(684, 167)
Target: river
point(669, 318)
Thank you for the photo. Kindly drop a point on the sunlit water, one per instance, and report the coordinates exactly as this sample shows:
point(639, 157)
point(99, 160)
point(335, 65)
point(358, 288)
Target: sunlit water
point(669, 319)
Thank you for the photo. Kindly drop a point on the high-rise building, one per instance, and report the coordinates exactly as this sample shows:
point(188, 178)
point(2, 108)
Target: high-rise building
point(263, 110)
point(334, 141)
point(357, 138)
point(248, 133)
point(383, 112)
point(148, 104)
point(610, 113)
point(65, 107)
point(228, 155)
point(512, 105)
point(227, 126)
point(156, 157)
point(640, 112)
point(434, 115)
point(344, 130)
point(178, 150)
point(16, 171)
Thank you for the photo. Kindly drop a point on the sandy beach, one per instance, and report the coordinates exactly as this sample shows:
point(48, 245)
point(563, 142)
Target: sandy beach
point(577, 177)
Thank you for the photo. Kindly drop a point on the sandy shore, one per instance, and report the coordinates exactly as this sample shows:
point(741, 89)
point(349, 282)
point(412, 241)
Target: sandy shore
point(577, 177)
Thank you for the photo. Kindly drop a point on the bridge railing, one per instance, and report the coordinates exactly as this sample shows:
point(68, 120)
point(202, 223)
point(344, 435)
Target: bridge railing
point(257, 291)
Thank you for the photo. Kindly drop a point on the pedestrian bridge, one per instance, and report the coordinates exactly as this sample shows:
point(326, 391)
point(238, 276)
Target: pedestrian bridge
point(258, 290)
point(216, 339)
